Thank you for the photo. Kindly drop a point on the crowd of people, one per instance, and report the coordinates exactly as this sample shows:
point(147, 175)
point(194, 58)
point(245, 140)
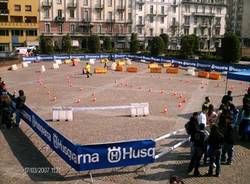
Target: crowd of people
point(10, 107)
point(212, 133)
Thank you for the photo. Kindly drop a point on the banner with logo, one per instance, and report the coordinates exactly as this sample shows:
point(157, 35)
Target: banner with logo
point(120, 154)
point(89, 157)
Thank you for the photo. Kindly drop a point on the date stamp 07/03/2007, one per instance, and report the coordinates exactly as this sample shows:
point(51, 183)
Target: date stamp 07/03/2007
point(41, 170)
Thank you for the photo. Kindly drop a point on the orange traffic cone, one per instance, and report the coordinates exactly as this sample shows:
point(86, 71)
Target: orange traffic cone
point(93, 94)
point(162, 91)
point(54, 99)
point(78, 100)
point(93, 99)
point(179, 105)
point(81, 89)
point(165, 110)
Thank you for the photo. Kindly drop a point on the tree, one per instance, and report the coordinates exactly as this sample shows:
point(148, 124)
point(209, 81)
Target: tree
point(46, 45)
point(107, 45)
point(94, 43)
point(165, 39)
point(230, 48)
point(66, 44)
point(134, 43)
point(157, 46)
point(189, 45)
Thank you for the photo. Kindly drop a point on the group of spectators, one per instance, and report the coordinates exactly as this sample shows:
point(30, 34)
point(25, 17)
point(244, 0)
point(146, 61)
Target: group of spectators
point(10, 107)
point(212, 133)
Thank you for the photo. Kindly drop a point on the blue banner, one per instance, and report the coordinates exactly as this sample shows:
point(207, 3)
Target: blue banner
point(89, 157)
point(118, 154)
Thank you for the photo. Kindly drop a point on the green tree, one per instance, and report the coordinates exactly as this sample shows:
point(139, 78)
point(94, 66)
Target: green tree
point(94, 43)
point(165, 39)
point(107, 45)
point(46, 45)
point(134, 43)
point(189, 45)
point(66, 44)
point(230, 48)
point(156, 46)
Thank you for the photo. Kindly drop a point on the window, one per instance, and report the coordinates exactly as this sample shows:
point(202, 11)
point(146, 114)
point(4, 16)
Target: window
point(162, 10)
point(174, 9)
point(162, 31)
point(85, 2)
point(162, 20)
point(47, 28)
point(60, 28)
point(130, 16)
point(195, 20)
point(218, 10)
point(86, 16)
point(110, 15)
point(151, 19)
point(139, 30)
point(17, 7)
point(129, 29)
point(140, 7)
point(151, 9)
point(99, 29)
point(217, 31)
point(130, 3)
point(4, 32)
point(72, 13)
point(17, 32)
point(72, 28)
point(28, 8)
point(120, 15)
point(46, 13)
point(59, 13)
point(59, 1)
point(187, 9)
point(195, 31)
point(31, 32)
point(151, 32)
point(186, 31)
point(140, 20)
point(187, 20)
point(99, 15)
point(109, 3)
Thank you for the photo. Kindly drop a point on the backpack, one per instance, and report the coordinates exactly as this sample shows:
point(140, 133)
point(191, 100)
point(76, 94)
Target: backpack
point(187, 128)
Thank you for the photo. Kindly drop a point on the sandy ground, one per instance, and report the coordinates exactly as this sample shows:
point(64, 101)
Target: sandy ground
point(115, 88)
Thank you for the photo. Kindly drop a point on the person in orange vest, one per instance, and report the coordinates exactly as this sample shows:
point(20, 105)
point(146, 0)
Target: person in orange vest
point(88, 70)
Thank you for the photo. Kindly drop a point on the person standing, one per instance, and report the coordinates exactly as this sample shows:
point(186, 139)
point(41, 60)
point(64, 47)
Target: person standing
point(20, 101)
point(215, 142)
point(200, 138)
point(6, 111)
point(202, 118)
point(88, 70)
point(211, 115)
point(227, 98)
point(229, 141)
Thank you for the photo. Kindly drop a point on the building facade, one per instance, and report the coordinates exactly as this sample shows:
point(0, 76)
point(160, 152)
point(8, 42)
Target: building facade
point(117, 19)
point(238, 20)
point(18, 24)
point(106, 18)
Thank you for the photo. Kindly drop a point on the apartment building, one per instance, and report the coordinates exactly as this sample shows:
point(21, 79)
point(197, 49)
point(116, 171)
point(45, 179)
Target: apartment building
point(81, 18)
point(18, 24)
point(238, 20)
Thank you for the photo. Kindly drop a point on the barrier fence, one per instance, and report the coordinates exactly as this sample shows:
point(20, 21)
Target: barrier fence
point(203, 65)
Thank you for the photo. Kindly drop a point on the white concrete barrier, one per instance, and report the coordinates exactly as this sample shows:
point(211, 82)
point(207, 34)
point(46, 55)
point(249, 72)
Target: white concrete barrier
point(14, 67)
point(43, 69)
point(113, 66)
point(92, 61)
point(55, 66)
point(25, 65)
point(128, 62)
point(62, 114)
point(191, 71)
point(139, 109)
point(59, 62)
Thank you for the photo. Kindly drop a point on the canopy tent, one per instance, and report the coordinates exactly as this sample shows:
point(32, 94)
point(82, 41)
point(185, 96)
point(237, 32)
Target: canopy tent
point(241, 76)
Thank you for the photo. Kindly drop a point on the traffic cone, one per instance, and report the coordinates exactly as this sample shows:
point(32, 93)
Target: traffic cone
point(93, 94)
point(150, 90)
point(71, 85)
point(48, 92)
point(181, 96)
point(93, 99)
point(174, 93)
point(81, 89)
point(78, 100)
point(54, 99)
point(184, 100)
point(179, 105)
point(165, 110)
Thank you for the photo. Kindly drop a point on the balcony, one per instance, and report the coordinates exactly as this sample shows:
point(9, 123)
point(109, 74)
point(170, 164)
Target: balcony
point(110, 21)
point(59, 20)
point(86, 22)
point(72, 5)
point(162, 14)
point(121, 8)
point(20, 25)
point(203, 14)
point(218, 25)
point(204, 25)
point(99, 7)
point(46, 4)
point(152, 14)
point(4, 12)
point(216, 3)
point(140, 24)
point(140, 2)
point(186, 24)
point(174, 25)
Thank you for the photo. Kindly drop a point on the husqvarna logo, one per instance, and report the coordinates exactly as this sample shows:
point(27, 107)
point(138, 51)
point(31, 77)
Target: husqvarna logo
point(114, 154)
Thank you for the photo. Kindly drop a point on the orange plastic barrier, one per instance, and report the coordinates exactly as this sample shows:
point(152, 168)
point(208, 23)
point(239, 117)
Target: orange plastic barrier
point(214, 76)
point(172, 70)
point(119, 69)
point(203, 74)
point(100, 70)
point(155, 70)
point(132, 69)
point(153, 65)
